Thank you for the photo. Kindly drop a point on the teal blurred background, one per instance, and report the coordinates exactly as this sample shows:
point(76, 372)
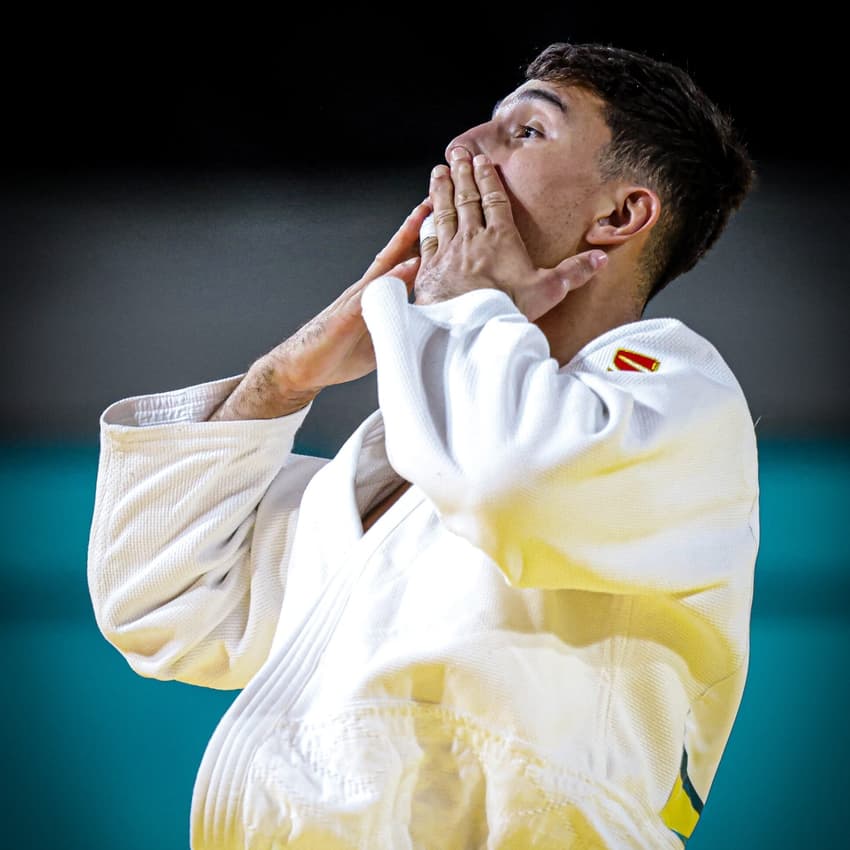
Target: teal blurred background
point(98, 757)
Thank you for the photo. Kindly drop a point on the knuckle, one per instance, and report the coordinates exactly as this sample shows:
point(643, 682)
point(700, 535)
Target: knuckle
point(572, 275)
point(494, 199)
point(466, 197)
point(441, 216)
point(577, 272)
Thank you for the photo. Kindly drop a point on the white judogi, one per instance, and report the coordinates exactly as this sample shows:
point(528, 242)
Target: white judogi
point(543, 643)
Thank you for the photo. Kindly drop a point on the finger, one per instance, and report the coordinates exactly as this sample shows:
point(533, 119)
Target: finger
point(577, 270)
point(428, 238)
point(402, 246)
point(554, 284)
point(442, 199)
point(467, 199)
point(495, 205)
point(406, 271)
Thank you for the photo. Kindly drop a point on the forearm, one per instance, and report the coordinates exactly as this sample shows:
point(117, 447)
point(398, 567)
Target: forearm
point(262, 394)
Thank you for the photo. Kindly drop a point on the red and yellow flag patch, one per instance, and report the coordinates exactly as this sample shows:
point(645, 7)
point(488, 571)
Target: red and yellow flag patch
point(633, 361)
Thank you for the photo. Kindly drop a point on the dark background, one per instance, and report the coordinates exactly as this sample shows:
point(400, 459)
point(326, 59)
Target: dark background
point(179, 191)
point(358, 88)
point(182, 192)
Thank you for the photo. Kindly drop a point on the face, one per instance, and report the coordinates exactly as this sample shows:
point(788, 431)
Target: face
point(543, 139)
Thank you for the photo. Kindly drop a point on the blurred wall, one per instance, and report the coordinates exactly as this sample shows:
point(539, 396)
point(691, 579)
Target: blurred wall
point(127, 283)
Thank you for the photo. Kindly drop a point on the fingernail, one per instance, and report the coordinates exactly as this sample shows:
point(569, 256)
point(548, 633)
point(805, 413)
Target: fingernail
point(598, 259)
point(480, 159)
point(411, 261)
point(458, 153)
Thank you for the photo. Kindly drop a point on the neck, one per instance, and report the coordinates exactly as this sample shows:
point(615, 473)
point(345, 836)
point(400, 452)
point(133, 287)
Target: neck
point(586, 313)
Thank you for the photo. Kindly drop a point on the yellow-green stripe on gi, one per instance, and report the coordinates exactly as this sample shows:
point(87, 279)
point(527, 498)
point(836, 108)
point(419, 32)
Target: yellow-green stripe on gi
point(684, 806)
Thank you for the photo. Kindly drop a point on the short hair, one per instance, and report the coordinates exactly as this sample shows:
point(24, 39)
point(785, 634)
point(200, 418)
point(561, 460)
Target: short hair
point(666, 134)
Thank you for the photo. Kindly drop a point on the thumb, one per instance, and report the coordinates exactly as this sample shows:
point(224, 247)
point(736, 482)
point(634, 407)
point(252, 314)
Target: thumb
point(406, 271)
point(578, 269)
point(554, 284)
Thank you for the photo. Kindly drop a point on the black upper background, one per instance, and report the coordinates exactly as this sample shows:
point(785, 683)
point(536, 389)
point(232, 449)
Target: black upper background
point(235, 90)
point(150, 239)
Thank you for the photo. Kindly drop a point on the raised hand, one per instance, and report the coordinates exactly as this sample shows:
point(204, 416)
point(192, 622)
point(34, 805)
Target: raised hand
point(335, 346)
point(477, 244)
point(332, 348)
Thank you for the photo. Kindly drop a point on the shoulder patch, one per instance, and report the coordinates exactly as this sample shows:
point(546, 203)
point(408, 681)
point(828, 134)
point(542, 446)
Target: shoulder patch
point(633, 361)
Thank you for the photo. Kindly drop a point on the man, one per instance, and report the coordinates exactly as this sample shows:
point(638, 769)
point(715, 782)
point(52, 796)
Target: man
point(513, 610)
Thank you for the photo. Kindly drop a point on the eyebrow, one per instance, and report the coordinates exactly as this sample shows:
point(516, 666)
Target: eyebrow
point(532, 94)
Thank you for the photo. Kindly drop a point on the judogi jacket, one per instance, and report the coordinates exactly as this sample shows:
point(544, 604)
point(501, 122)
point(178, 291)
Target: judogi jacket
point(542, 644)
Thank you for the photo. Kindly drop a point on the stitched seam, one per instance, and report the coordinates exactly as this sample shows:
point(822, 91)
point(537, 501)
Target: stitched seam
point(720, 681)
point(619, 664)
point(750, 517)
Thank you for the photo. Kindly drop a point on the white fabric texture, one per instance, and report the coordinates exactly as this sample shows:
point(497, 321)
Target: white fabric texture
point(515, 655)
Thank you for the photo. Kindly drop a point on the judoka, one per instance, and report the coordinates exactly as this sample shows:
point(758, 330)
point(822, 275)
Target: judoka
point(513, 610)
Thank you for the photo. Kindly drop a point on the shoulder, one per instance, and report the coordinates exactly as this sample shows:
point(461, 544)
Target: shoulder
point(654, 349)
point(671, 373)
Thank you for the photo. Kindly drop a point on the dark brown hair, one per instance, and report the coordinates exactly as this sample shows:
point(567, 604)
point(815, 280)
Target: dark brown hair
point(669, 136)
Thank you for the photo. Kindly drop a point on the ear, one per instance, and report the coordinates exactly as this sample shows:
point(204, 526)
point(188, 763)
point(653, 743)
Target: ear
point(631, 212)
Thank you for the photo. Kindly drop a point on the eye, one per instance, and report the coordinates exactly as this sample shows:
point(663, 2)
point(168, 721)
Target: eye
point(526, 132)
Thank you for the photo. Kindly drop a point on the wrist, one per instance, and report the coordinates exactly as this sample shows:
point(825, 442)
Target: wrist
point(263, 394)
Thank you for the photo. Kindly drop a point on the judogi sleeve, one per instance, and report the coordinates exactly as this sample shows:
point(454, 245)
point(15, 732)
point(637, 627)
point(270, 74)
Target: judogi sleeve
point(191, 532)
point(573, 477)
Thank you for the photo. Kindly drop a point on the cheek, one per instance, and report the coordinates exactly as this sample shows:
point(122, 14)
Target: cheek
point(548, 210)
point(525, 182)
point(528, 193)
point(540, 203)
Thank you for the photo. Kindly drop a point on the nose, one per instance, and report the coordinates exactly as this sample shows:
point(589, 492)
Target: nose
point(474, 140)
point(459, 141)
